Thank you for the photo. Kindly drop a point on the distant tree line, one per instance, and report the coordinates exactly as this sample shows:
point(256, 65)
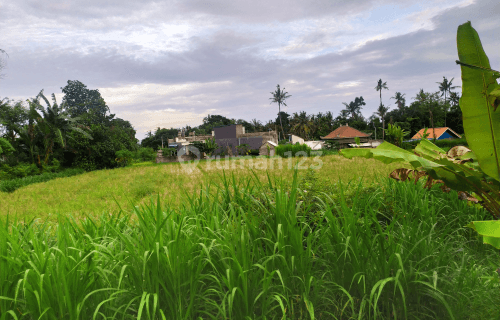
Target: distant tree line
point(428, 109)
point(82, 132)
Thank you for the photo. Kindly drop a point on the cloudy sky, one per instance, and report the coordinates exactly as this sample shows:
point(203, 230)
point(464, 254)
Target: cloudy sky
point(170, 63)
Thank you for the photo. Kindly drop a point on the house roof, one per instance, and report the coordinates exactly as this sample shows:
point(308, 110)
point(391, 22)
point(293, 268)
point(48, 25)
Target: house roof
point(439, 133)
point(345, 132)
point(270, 142)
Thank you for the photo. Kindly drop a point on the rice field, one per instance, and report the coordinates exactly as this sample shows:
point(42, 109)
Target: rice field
point(244, 243)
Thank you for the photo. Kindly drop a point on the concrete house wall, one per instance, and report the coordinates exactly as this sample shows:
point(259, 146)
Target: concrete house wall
point(235, 135)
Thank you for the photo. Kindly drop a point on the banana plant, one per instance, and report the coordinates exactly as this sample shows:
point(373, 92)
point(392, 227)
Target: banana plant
point(52, 124)
point(474, 172)
point(396, 134)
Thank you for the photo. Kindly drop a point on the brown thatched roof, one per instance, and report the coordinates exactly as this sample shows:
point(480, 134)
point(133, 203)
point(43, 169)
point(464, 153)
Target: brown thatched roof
point(345, 132)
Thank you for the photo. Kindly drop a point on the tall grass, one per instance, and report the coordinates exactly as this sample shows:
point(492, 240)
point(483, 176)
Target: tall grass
point(94, 192)
point(243, 248)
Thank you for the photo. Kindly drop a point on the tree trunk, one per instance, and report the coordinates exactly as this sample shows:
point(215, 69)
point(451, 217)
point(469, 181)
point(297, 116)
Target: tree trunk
point(445, 107)
point(281, 123)
point(432, 124)
point(383, 129)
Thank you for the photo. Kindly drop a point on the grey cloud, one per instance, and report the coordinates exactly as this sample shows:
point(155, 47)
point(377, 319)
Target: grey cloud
point(407, 62)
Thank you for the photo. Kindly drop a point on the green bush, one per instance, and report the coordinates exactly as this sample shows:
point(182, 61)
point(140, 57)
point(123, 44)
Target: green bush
point(440, 143)
point(253, 152)
point(14, 184)
point(451, 143)
point(293, 150)
point(20, 171)
point(331, 145)
point(145, 154)
point(169, 152)
point(124, 157)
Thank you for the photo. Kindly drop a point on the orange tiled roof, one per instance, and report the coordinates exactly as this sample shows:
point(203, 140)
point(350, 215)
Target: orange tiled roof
point(439, 133)
point(345, 132)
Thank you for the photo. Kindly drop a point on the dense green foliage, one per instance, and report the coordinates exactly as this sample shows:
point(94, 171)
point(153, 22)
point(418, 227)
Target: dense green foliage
point(248, 251)
point(77, 133)
point(208, 146)
point(14, 184)
point(439, 143)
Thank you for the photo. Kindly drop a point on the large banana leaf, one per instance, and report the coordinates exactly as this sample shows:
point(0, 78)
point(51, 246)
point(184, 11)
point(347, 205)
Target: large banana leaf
point(454, 171)
point(490, 230)
point(481, 123)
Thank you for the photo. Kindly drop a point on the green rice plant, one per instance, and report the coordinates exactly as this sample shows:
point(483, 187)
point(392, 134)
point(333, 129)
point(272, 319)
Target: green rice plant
point(242, 248)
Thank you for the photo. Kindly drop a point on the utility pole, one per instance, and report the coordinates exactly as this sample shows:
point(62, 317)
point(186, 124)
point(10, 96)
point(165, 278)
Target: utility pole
point(375, 130)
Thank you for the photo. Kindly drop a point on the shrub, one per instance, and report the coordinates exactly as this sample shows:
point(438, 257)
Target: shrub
point(440, 143)
point(20, 171)
point(14, 184)
point(254, 152)
point(331, 145)
point(243, 149)
point(293, 150)
point(169, 152)
point(124, 157)
point(145, 154)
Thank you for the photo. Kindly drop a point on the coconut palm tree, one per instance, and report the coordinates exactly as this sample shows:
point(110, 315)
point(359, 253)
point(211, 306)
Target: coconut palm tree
point(256, 124)
point(381, 112)
point(280, 96)
point(301, 124)
point(354, 107)
point(446, 87)
point(454, 98)
point(400, 101)
point(381, 86)
point(421, 96)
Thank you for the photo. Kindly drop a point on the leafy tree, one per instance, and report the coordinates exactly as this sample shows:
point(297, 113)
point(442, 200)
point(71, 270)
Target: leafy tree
point(270, 125)
point(155, 141)
point(445, 87)
point(81, 101)
point(248, 126)
point(280, 96)
point(6, 148)
point(323, 124)
point(12, 117)
point(381, 86)
point(257, 125)
point(430, 102)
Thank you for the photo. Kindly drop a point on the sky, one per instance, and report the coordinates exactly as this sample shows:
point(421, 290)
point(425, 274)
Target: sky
point(171, 63)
